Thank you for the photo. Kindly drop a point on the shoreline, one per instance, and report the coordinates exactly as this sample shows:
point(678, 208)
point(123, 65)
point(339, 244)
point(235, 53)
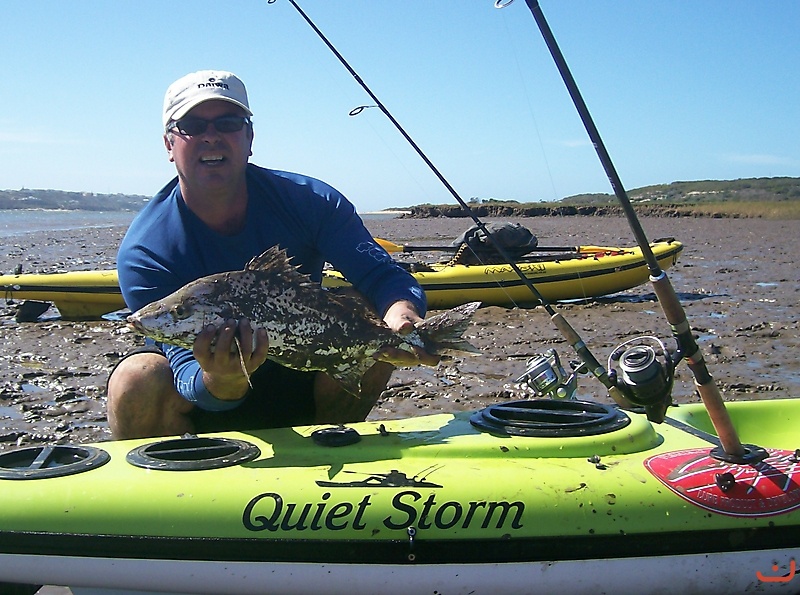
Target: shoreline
point(387, 212)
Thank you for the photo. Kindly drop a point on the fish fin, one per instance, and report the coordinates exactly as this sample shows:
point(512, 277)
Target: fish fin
point(443, 332)
point(275, 261)
point(350, 379)
point(274, 256)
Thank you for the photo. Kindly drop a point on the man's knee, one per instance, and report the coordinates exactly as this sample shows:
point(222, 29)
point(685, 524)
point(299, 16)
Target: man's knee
point(142, 400)
point(336, 405)
point(137, 378)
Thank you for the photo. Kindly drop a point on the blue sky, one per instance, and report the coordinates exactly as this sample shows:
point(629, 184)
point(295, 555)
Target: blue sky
point(679, 90)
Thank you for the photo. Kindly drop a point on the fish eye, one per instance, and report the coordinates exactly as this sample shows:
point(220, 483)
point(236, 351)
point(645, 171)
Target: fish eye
point(179, 312)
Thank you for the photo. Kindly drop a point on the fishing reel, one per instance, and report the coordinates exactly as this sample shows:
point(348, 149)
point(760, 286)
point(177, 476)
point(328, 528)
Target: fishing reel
point(547, 377)
point(643, 379)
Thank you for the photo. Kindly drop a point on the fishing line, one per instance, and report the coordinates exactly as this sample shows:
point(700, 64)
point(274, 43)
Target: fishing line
point(532, 113)
point(667, 298)
point(572, 337)
point(455, 259)
point(379, 104)
point(355, 112)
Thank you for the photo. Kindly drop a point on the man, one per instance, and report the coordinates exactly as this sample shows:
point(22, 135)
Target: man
point(215, 216)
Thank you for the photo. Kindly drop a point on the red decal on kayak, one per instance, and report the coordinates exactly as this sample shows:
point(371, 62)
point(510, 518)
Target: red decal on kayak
point(762, 489)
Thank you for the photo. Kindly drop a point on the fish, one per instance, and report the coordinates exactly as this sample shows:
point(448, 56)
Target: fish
point(309, 327)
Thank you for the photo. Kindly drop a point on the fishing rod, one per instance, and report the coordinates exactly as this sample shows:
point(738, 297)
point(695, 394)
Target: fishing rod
point(654, 412)
point(670, 304)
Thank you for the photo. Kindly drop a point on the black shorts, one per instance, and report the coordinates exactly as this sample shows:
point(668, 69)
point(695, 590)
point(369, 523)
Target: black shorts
point(280, 397)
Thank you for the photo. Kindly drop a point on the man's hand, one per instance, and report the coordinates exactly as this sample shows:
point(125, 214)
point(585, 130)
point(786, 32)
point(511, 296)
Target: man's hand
point(226, 369)
point(402, 317)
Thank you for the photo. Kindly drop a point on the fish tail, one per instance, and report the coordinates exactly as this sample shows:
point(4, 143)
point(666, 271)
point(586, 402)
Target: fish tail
point(443, 332)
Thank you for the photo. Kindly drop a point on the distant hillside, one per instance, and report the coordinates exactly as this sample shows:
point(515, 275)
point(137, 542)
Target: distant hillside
point(772, 198)
point(742, 190)
point(71, 201)
point(751, 197)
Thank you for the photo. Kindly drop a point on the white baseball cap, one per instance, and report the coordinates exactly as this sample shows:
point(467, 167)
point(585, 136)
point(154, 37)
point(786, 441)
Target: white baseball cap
point(204, 85)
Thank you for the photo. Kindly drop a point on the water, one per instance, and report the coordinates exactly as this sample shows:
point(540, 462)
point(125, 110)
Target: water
point(17, 222)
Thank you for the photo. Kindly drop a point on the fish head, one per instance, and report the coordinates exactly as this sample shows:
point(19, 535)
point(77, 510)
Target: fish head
point(178, 318)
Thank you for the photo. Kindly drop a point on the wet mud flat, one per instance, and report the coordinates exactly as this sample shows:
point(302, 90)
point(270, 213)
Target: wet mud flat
point(736, 278)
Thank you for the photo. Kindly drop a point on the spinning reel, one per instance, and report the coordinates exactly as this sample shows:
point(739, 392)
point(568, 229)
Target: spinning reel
point(547, 377)
point(645, 378)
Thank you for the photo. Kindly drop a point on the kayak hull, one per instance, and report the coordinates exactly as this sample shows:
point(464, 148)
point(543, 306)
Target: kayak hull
point(596, 272)
point(692, 574)
point(435, 503)
point(78, 295)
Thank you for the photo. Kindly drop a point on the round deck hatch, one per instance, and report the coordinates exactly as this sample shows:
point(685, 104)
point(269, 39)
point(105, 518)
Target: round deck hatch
point(550, 418)
point(192, 453)
point(40, 462)
point(335, 436)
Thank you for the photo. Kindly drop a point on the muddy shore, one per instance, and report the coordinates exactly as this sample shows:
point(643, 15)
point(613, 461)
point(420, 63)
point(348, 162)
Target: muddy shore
point(736, 278)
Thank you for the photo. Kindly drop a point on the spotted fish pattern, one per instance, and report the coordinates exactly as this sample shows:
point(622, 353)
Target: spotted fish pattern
point(309, 328)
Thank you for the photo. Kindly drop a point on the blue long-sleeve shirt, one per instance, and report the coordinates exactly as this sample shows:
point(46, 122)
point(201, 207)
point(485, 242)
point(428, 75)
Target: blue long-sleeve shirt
point(168, 246)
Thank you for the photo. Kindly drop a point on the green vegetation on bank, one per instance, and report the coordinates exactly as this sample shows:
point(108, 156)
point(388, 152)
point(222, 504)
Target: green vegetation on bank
point(767, 198)
point(70, 201)
point(704, 191)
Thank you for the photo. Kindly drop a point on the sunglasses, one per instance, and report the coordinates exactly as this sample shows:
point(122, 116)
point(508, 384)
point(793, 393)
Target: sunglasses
point(195, 126)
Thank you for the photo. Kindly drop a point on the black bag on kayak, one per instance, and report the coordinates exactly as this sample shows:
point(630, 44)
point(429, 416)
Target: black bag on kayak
point(475, 248)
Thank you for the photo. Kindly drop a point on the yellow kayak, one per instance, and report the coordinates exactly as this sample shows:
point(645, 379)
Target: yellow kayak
point(588, 272)
point(78, 295)
point(534, 496)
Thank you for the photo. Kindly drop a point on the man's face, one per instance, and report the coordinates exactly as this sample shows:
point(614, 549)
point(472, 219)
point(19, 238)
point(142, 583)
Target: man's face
point(212, 159)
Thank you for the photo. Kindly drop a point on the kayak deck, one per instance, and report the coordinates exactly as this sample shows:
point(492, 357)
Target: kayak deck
point(429, 500)
point(380, 483)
